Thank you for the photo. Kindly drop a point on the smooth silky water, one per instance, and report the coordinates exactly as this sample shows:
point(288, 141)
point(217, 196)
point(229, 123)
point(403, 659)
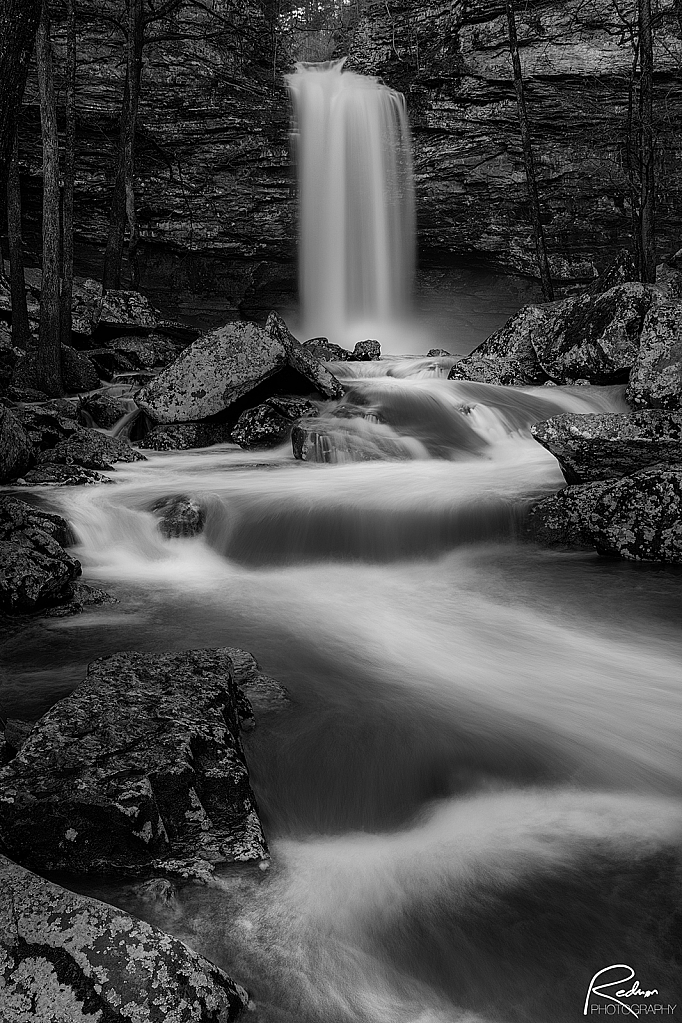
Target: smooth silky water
point(473, 803)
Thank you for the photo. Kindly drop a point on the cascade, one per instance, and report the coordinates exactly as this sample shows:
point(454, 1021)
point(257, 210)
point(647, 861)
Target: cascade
point(356, 199)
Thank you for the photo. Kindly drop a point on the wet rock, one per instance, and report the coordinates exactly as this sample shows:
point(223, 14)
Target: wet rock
point(593, 337)
point(212, 373)
point(366, 351)
point(436, 353)
point(104, 409)
point(34, 570)
point(507, 357)
point(640, 517)
point(293, 408)
point(48, 423)
point(16, 514)
point(621, 270)
point(610, 445)
point(16, 733)
point(92, 450)
point(68, 957)
point(261, 427)
point(263, 693)
point(181, 516)
point(656, 377)
point(78, 371)
point(81, 595)
point(564, 519)
point(49, 475)
point(326, 351)
point(184, 436)
point(16, 451)
point(139, 770)
point(323, 380)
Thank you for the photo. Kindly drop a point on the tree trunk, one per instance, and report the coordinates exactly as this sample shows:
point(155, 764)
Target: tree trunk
point(632, 148)
point(647, 205)
point(678, 12)
point(21, 333)
point(18, 25)
point(531, 180)
point(48, 362)
point(69, 173)
point(123, 198)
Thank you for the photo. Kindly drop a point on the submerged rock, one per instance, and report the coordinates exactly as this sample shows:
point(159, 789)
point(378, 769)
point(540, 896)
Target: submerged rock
point(366, 351)
point(68, 957)
point(139, 770)
point(92, 450)
point(16, 450)
point(104, 409)
point(181, 516)
point(507, 357)
point(610, 445)
point(656, 377)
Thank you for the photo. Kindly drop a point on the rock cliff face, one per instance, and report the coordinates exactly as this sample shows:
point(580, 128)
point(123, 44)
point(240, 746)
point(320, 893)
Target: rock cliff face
point(215, 192)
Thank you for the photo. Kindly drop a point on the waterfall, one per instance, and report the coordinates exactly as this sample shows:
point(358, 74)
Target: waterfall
point(356, 193)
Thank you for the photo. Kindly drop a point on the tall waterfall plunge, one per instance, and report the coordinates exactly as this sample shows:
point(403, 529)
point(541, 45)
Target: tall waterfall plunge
point(357, 221)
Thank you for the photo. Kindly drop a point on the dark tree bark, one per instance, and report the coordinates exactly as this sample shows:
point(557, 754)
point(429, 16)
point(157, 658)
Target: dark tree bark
point(21, 333)
point(678, 12)
point(48, 358)
point(69, 174)
point(123, 198)
point(647, 204)
point(18, 25)
point(531, 179)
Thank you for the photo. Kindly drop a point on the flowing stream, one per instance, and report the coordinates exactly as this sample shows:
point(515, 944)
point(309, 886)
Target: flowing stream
point(474, 801)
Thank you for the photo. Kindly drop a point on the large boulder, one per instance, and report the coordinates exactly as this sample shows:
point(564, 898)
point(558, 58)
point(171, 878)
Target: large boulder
point(593, 337)
point(366, 351)
point(91, 449)
point(49, 422)
point(656, 377)
point(326, 351)
point(212, 373)
point(16, 451)
point(144, 352)
point(140, 770)
point(507, 356)
point(78, 371)
point(640, 517)
point(604, 446)
point(35, 570)
point(564, 519)
point(67, 958)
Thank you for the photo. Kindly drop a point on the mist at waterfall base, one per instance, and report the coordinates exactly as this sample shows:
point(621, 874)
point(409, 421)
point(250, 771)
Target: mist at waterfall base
point(474, 801)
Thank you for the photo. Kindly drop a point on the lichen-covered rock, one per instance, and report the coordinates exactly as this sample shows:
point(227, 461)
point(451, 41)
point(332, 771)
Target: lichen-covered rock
point(90, 449)
point(640, 517)
point(563, 519)
point(366, 351)
point(140, 769)
point(326, 351)
point(656, 377)
point(49, 422)
point(145, 352)
point(303, 360)
point(180, 516)
point(593, 337)
point(184, 436)
point(66, 958)
point(49, 475)
point(212, 373)
point(261, 427)
point(78, 371)
point(609, 445)
point(293, 408)
point(17, 732)
point(105, 410)
point(34, 570)
point(507, 357)
point(16, 450)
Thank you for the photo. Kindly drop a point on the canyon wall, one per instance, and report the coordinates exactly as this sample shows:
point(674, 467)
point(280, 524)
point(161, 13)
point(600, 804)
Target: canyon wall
point(216, 194)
